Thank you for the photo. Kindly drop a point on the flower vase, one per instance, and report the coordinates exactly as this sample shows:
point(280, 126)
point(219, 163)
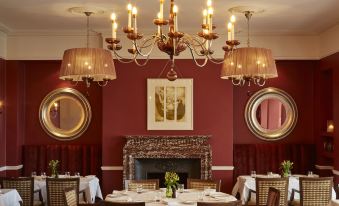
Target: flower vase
point(286, 173)
point(174, 192)
point(169, 192)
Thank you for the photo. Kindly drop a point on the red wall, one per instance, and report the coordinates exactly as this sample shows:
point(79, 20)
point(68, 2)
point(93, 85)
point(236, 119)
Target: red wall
point(332, 62)
point(27, 83)
point(296, 78)
point(120, 109)
point(125, 113)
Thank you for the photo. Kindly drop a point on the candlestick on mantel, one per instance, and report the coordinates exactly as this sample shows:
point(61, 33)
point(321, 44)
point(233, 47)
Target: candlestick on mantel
point(161, 16)
point(129, 9)
point(134, 14)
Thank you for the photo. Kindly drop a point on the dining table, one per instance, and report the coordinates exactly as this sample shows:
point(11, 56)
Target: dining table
point(9, 197)
point(245, 184)
point(157, 197)
point(89, 184)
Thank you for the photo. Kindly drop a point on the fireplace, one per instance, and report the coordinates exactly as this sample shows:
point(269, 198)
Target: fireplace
point(155, 168)
point(149, 157)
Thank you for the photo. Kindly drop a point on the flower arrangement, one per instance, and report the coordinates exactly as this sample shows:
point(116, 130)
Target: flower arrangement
point(286, 166)
point(53, 166)
point(171, 182)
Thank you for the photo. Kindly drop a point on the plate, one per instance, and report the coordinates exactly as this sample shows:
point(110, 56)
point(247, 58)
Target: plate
point(188, 202)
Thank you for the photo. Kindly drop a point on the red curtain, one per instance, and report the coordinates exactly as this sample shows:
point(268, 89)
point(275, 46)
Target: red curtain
point(85, 159)
point(267, 157)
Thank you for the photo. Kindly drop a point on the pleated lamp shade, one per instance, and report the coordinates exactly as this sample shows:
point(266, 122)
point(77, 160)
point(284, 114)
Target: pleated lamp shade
point(249, 62)
point(86, 63)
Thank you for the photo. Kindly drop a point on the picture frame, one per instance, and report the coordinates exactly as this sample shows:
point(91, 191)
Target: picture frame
point(169, 104)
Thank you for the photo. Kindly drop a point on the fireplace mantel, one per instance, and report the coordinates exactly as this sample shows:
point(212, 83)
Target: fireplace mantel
point(157, 147)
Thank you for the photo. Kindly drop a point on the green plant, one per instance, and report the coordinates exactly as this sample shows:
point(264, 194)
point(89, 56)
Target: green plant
point(286, 166)
point(171, 179)
point(53, 166)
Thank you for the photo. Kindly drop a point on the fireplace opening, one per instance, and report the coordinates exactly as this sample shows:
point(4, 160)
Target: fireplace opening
point(161, 176)
point(155, 168)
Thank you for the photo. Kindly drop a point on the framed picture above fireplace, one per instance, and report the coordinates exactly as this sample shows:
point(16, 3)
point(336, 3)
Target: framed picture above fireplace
point(169, 104)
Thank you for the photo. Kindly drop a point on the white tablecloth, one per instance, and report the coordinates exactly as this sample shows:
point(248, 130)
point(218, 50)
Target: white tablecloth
point(188, 197)
point(90, 184)
point(245, 183)
point(9, 197)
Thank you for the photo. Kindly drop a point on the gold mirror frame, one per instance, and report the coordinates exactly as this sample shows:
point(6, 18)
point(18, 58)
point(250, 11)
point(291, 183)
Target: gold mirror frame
point(251, 118)
point(45, 117)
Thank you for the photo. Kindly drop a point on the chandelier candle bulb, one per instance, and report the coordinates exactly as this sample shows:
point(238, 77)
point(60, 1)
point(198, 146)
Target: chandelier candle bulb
point(233, 26)
point(209, 3)
point(229, 31)
point(175, 13)
point(204, 13)
point(161, 16)
point(134, 13)
point(210, 22)
point(129, 9)
point(115, 27)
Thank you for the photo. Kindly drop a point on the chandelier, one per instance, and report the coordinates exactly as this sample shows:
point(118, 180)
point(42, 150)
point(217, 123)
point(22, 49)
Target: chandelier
point(241, 65)
point(87, 64)
point(249, 64)
point(172, 43)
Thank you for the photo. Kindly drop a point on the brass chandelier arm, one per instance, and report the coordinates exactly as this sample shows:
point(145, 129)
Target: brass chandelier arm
point(194, 58)
point(123, 59)
point(139, 48)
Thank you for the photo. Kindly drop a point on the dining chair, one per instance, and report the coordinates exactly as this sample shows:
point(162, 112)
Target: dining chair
point(108, 203)
point(273, 197)
point(232, 203)
point(262, 190)
point(314, 191)
point(200, 184)
point(25, 188)
point(336, 188)
point(151, 184)
point(71, 198)
point(56, 189)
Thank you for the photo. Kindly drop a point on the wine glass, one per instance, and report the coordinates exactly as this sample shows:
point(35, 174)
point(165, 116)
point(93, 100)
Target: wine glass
point(181, 188)
point(253, 173)
point(139, 188)
point(33, 174)
point(77, 174)
point(67, 174)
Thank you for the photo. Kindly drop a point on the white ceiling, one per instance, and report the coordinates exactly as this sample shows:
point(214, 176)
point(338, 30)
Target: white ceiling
point(281, 16)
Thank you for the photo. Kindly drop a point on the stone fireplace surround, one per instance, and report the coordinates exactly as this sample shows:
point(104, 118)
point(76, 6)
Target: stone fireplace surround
point(167, 147)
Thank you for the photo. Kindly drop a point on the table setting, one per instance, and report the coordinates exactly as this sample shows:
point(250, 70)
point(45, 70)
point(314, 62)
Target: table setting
point(173, 195)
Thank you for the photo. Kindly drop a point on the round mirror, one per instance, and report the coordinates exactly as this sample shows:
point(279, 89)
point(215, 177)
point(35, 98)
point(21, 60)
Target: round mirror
point(65, 114)
point(271, 114)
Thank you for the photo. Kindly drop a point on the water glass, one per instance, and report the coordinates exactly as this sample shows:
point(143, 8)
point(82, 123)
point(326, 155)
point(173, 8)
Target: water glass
point(33, 174)
point(181, 188)
point(77, 174)
point(310, 173)
point(157, 197)
point(269, 174)
point(43, 175)
point(253, 173)
point(67, 174)
point(139, 188)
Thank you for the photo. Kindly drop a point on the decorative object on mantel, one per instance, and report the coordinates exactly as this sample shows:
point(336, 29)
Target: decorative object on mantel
point(165, 147)
point(330, 126)
point(248, 64)
point(87, 64)
point(172, 43)
point(54, 166)
point(286, 166)
point(171, 182)
point(169, 104)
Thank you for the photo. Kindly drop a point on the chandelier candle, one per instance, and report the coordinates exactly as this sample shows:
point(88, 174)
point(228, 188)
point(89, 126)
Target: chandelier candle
point(210, 22)
point(159, 27)
point(175, 13)
point(114, 25)
point(161, 16)
point(134, 13)
point(233, 26)
point(204, 13)
point(129, 9)
point(229, 31)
